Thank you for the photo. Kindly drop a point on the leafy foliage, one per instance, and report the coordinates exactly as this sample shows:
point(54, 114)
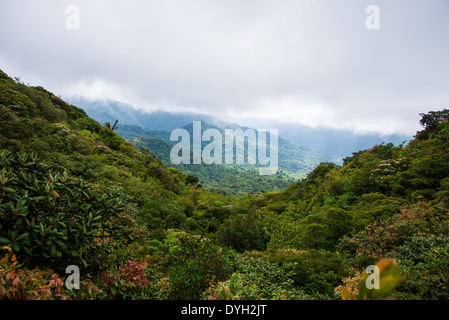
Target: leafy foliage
point(242, 233)
point(129, 281)
point(74, 192)
point(17, 283)
point(51, 218)
point(195, 263)
point(389, 278)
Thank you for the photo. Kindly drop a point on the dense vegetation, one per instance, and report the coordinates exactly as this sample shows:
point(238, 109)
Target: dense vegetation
point(72, 192)
point(235, 180)
point(152, 131)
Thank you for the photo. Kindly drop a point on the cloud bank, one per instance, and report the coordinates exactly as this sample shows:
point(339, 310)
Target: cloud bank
point(312, 62)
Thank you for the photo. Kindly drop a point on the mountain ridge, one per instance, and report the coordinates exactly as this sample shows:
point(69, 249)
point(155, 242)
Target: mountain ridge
point(331, 145)
point(73, 192)
point(139, 127)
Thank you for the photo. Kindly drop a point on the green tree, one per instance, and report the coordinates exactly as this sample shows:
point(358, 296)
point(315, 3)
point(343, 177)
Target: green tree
point(243, 232)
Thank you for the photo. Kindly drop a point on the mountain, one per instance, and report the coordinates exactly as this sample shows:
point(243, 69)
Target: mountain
point(152, 131)
point(332, 144)
point(236, 180)
point(329, 145)
point(111, 110)
point(75, 194)
point(294, 160)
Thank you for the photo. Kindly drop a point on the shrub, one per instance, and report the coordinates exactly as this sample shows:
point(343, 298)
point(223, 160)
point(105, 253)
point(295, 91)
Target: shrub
point(194, 263)
point(175, 219)
point(424, 264)
point(418, 247)
point(417, 238)
point(389, 278)
point(21, 284)
point(237, 287)
point(314, 271)
point(129, 281)
point(51, 219)
point(256, 278)
point(381, 238)
point(243, 232)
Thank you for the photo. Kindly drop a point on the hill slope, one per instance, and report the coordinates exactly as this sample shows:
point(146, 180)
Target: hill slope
point(226, 179)
point(72, 192)
point(384, 202)
point(152, 131)
point(110, 110)
point(331, 144)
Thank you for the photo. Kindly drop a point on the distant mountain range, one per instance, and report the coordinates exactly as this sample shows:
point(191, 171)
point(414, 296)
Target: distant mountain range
point(330, 144)
point(296, 160)
point(110, 110)
point(301, 148)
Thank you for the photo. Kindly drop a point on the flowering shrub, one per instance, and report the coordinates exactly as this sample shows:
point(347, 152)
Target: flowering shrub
point(88, 291)
point(189, 277)
point(417, 238)
point(128, 281)
point(351, 284)
point(162, 288)
point(21, 284)
point(381, 238)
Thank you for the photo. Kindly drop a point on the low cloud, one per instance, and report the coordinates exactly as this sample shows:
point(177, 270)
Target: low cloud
point(312, 62)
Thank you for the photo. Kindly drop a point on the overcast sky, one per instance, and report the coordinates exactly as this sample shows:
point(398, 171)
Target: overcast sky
point(312, 62)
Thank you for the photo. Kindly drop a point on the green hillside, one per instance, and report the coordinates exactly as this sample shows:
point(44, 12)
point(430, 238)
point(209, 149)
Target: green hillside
point(296, 160)
point(236, 180)
point(73, 192)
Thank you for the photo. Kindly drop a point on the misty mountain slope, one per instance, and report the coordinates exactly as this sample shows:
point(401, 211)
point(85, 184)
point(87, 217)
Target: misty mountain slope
point(233, 179)
point(110, 110)
point(332, 144)
point(297, 160)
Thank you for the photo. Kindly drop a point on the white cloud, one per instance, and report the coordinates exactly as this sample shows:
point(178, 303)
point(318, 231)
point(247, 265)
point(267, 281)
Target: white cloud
point(308, 61)
point(97, 89)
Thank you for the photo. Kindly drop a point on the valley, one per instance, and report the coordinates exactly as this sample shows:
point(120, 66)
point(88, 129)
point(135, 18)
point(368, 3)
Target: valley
point(74, 192)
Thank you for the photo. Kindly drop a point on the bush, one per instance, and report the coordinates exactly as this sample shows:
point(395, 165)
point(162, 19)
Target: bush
point(417, 249)
point(356, 288)
point(129, 281)
point(424, 264)
point(50, 219)
point(381, 238)
point(194, 263)
point(256, 278)
point(175, 219)
point(314, 271)
point(243, 232)
point(21, 284)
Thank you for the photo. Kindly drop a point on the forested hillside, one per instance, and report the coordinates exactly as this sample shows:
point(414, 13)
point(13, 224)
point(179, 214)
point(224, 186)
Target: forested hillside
point(152, 131)
point(72, 192)
point(233, 179)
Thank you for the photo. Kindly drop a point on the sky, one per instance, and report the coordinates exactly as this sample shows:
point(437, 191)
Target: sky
point(332, 63)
